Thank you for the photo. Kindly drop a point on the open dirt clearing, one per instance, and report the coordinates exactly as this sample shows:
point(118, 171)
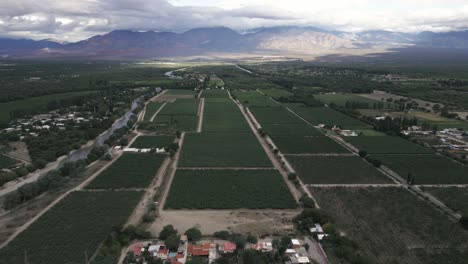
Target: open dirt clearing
point(242, 221)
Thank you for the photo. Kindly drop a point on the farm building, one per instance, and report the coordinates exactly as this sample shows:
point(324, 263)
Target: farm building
point(199, 250)
point(227, 247)
point(295, 243)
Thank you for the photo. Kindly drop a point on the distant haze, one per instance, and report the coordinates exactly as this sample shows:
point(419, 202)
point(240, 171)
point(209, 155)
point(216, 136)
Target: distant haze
point(79, 19)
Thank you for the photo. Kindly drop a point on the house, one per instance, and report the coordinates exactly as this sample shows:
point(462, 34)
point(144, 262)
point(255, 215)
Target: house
point(298, 259)
point(163, 252)
point(199, 250)
point(348, 133)
point(378, 118)
point(263, 246)
point(130, 150)
point(318, 232)
point(227, 247)
point(295, 243)
point(290, 252)
point(137, 249)
point(160, 150)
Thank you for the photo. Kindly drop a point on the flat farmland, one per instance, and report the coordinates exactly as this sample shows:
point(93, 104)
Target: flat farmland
point(291, 130)
point(336, 170)
point(276, 93)
point(307, 145)
point(253, 98)
point(153, 141)
point(215, 94)
point(456, 198)
point(387, 145)
point(224, 117)
point(222, 150)
point(391, 225)
point(172, 123)
point(173, 94)
point(181, 107)
point(77, 224)
point(151, 109)
point(328, 116)
point(131, 170)
point(275, 115)
point(342, 99)
point(426, 169)
point(229, 189)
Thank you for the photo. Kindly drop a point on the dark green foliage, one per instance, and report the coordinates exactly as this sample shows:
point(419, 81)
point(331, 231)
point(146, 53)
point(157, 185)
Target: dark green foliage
point(193, 234)
point(131, 170)
point(223, 150)
point(223, 117)
point(167, 231)
point(151, 109)
point(426, 169)
point(307, 145)
point(77, 224)
point(335, 170)
point(172, 242)
point(455, 198)
point(153, 142)
point(228, 189)
point(387, 145)
point(275, 115)
point(328, 116)
point(307, 202)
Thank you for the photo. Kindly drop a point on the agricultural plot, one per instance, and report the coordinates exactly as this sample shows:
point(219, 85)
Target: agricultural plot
point(180, 115)
point(77, 224)
point(253, 98)
point(291, 130)
point(276, 93)
point(275, 115)
point(173, 94)
point(215, 94)
point(173, 123)
point(307, 145)
point(229, 189)
point(426, 169)
point(131, 170)
point(387, 145)
point(328, 116)
point(222, 150)
point(224, 117)
point(151, 109)
point(153, 141)
point(343, 99)
point(181, 107)
point(455, 198)
point(336, 170)
point(390, 225)
point(6, 162)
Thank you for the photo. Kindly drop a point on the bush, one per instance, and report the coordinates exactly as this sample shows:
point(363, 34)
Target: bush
point(464, 221)
point(167, 231)
point(252, 239)
point(362, 153)
point(222, 234)
point(292, 176)
point(307, 202)
point(148, 218)
point(193, 234)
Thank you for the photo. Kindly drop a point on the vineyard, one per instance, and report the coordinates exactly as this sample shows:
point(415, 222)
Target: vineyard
point(307, 145)
point(253, 98)
point(223, 150)
point(181, 107)
point(275, 115)
point(426, 169)
point(455, 198)
point(328, 116)
point(180, 115)
point(215, 94)
point(223, 117)
point(229, 189)
point(335, 170)
point(151, 109)
point(387, 145)
point(153, 141)
point(129, 171)
point(276, 93)
point(75, 226)
point(390, 225)
point(290, 130)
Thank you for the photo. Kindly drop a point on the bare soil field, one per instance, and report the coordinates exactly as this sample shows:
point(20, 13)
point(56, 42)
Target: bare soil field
point(242, 221)
point(19, 151)
point(378, 95)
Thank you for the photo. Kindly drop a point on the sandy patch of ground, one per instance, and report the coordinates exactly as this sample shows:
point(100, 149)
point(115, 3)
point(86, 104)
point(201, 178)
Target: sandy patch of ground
point(19, 150)
point(258, 222)
point(379, 95)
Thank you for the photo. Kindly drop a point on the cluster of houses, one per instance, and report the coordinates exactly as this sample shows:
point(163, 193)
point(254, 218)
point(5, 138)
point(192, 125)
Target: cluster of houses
point(47, 122)
point(141, 150)
point(209, 250)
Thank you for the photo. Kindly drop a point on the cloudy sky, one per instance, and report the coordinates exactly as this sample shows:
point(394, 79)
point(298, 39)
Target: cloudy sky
point(77, 19)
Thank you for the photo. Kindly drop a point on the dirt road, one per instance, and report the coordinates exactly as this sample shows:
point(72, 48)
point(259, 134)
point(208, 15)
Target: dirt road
point(201, 111)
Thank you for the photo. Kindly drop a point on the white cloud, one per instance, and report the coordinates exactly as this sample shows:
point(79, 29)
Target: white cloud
point(83, 18)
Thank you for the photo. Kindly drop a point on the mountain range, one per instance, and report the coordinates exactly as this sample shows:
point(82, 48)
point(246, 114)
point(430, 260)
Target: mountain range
point(222, 40)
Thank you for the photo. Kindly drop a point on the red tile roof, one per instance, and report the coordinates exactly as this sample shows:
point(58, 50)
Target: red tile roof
point(229, 247)
point(199, 250)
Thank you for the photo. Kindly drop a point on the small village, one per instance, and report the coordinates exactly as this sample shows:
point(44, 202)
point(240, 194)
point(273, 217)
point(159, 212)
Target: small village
point(298, 251)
